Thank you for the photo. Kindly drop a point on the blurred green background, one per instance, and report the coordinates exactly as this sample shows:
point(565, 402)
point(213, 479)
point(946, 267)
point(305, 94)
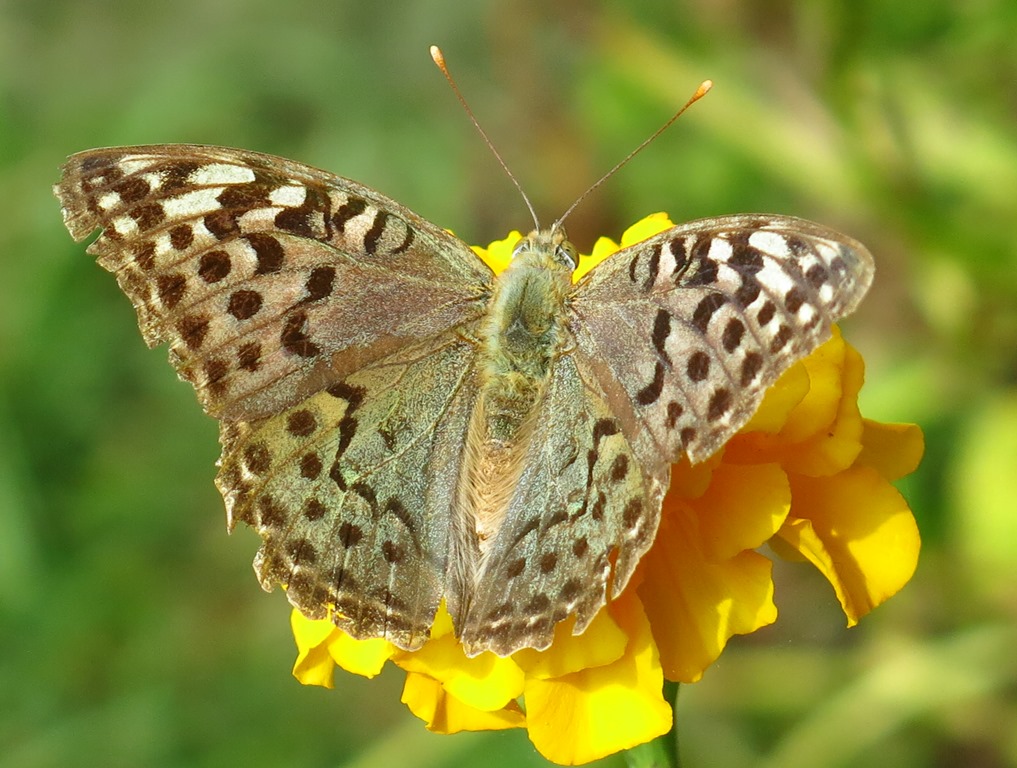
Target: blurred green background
point(132, 631)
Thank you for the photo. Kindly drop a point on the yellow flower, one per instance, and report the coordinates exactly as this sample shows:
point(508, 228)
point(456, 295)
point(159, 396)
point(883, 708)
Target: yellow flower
point(807, 475)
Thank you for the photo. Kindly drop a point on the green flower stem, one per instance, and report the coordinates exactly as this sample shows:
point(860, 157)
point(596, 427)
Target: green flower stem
point(662, 752)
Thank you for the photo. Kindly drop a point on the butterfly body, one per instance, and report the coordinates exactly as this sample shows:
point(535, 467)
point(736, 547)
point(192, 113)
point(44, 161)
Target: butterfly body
point(401, 426)
point(522, 335)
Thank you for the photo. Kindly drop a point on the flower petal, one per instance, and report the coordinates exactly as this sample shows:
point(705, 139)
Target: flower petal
point(858, 531)
point(690, 481)
point(602, 248)
point(646, 227)
point(589, 714)
point(743, 507)
point(694, 605)
point(444, 713)
point(321, 645)
point(818, 408)
point(780, 400)
point(486, 682)
point(309, 632)
point(361, 657)
point(894, 450)
point(314, 664)
point(605, 246)
point(833, 447)
point(603, 642)
point(498, 254)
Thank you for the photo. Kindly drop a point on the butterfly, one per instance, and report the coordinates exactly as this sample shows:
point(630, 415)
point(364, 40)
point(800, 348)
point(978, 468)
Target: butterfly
point(402, 426)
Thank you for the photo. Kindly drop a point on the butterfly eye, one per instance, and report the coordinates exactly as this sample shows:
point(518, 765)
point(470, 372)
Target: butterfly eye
point(565, 254)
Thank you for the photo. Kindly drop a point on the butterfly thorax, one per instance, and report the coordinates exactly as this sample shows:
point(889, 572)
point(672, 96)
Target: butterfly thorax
point(522, 334)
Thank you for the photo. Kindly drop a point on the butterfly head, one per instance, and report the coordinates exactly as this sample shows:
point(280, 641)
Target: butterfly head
point(550, 244)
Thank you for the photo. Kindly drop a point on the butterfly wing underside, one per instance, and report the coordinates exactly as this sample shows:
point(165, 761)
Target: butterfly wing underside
point(323, 324)
point(687, 329)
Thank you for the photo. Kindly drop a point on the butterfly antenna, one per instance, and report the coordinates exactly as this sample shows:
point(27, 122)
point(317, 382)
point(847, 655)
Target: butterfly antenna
point(701, 91)
point(439, 60)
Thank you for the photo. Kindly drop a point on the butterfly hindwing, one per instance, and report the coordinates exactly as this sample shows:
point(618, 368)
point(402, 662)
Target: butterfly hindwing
point(352, 490)
point(581, 515)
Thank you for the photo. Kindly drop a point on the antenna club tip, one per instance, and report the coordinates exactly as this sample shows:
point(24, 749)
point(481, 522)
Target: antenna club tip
point(437, 56)
point(701, 91)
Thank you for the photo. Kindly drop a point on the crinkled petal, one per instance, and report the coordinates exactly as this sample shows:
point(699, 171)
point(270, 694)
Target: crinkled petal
point(498, 254)
point(743, 507)
point(893, 450)
point(589, 714)
point(321, 646)
point(690, 481)
point(442, 623)
point(602, 643)
point(444, 713)
point(858, 531)
point(602, 248)
point(818, 408)
point(486, 682)
point(605, 246)
point(645, 228)
point(780, 401)
point(361, 657)
point(833, 447)
point(694, 605)
point(314, 664)
point(819, 433)
point(309, 632)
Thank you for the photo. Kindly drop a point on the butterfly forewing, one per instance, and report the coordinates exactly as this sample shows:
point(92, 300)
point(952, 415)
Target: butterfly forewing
point(689, 327)
point(268, 278)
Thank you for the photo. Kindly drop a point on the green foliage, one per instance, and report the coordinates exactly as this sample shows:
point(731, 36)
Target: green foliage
point(132, 630)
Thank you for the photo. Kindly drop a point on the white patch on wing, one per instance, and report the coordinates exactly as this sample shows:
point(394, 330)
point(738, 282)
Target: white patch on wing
point(108, 201)
point(192, 203)
point(259, 218)
point(770, 242)
point(774, 280)
point(125, 225)
point(728, 275)
point(807, 261)
point(720, 250)
point(154, 180)
point(667, 264)
point(221, 173)
point(290, 197)
point(132, 165)
point(163, 244)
